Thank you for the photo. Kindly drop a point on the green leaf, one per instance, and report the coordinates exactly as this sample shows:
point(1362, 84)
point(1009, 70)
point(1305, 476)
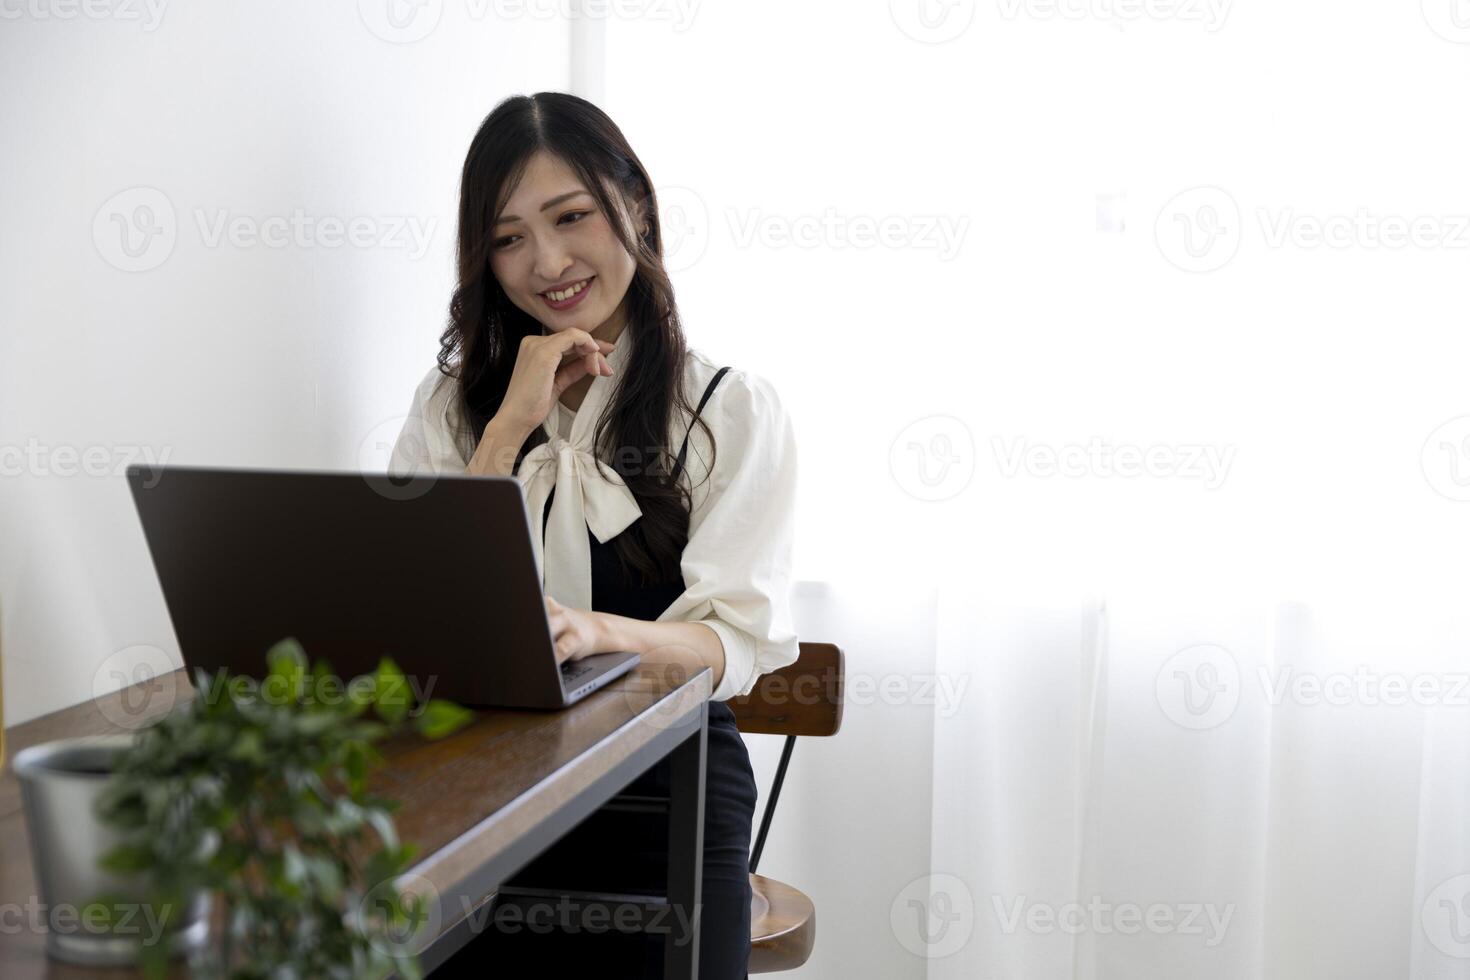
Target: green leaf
point(316, 723)
point(391, 695)
point(287, 668)
point(248, 747)
point(127, 859)
point(355, 763)
point(441, 718)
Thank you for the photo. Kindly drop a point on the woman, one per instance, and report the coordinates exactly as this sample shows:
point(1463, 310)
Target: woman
point(663, 527)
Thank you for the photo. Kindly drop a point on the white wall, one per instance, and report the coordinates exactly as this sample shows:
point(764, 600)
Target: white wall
point(214, 354)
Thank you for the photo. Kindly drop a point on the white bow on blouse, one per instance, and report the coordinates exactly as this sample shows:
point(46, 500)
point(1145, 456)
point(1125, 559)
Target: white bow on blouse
point(590, 495)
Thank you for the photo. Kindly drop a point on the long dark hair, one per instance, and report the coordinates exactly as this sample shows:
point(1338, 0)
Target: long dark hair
point(485, 328)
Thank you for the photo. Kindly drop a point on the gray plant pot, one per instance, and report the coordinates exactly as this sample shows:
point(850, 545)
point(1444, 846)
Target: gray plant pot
point(60, 781)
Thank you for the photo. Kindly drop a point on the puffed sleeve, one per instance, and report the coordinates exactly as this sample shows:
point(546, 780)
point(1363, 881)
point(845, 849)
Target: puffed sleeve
point(427, 440)
point(737, 563)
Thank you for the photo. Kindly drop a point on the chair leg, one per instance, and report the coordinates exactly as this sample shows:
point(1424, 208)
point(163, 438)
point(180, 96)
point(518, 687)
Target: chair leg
point(760, 840)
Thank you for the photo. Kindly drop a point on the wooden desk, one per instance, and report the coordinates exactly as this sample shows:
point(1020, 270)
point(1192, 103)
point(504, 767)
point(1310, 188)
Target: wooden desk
point(480, 804)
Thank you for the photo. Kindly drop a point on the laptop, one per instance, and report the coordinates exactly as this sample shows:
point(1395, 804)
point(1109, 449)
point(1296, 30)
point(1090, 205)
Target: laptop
point(435, 571)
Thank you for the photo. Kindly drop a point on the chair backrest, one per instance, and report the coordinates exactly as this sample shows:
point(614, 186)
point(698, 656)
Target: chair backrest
point(804, 698)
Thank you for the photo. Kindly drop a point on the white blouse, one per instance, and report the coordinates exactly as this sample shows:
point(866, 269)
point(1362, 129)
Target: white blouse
point(737, 563)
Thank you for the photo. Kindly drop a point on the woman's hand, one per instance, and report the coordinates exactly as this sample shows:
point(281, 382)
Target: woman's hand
point(574, 632)
point(545, 367)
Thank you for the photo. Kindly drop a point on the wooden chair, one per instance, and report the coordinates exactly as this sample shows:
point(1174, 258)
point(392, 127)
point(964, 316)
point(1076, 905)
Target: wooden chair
point(804, 698)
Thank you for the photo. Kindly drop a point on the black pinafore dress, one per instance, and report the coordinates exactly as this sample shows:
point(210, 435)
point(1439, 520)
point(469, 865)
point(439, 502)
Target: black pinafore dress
point(627, 852)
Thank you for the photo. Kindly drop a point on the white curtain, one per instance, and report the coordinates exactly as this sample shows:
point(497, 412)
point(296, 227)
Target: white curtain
point(1225, 788)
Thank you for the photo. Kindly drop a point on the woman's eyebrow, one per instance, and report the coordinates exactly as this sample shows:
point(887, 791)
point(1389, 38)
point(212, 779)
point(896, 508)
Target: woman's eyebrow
point(549, 204)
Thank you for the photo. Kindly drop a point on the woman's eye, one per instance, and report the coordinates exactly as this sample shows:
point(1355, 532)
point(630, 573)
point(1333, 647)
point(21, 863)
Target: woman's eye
point(500, 243)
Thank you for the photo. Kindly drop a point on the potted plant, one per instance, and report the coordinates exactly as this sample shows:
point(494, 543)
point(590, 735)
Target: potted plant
point(255, 794)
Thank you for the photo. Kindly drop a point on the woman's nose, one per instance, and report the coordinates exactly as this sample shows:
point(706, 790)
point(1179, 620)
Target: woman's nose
point(551, 262)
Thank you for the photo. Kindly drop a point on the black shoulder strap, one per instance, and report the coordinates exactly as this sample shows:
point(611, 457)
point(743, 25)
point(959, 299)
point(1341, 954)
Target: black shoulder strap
point(709, 390)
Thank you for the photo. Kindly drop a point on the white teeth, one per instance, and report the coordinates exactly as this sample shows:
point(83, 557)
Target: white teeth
point(568, 293)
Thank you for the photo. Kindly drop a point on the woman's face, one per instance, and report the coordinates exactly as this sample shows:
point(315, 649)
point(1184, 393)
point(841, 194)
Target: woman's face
point(550, 236)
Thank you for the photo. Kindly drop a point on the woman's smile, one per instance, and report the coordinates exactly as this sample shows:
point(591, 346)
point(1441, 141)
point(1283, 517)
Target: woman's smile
point(569, 297)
